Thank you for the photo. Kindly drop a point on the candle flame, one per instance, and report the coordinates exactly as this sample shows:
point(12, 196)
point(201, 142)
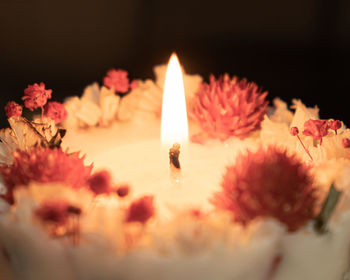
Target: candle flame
point(174, 127)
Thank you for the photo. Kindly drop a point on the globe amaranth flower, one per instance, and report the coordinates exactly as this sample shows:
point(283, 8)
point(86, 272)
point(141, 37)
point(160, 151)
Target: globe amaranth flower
point(229, 107)
point(141, 210)
point(36, 96)
point(56, 111)
point(44, 165)
point(268, 183)
point(118, 80)
point(12, 109)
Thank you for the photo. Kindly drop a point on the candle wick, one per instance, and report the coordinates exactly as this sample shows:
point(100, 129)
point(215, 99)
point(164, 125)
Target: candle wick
point(174, 154)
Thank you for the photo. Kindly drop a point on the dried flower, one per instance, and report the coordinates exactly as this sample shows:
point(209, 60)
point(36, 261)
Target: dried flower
point(45, 165)
point(334, 125)
point(316, 128)
point(118, 79)
point(294, 131)
point(56, 111)
point(12, 109)
point(268, 183)
point(123, 190)
point(229, 107)
point(345, 143)
point(100, 182)
point(53, 211)
point(141, 210)
point(36, 96)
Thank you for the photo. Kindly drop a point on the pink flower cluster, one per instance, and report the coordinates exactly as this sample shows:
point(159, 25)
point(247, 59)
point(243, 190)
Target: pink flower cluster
point(319, 128)
point(56, 111)
point(268, 183)
point(12, 109)
point(119, 81)
point(36, 96)
point(229, 107)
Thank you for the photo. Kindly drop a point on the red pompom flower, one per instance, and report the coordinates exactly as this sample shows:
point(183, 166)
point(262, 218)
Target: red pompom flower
point(141, 210)
point(316, 128)
point(12, 109)
point(36, 96)
point(229, 107)
point(44, 165)
point(118, 80)
point(268, 183)
point(56, 111)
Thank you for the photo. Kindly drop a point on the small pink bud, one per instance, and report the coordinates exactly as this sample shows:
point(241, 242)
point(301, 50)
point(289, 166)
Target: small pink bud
point(294, 131)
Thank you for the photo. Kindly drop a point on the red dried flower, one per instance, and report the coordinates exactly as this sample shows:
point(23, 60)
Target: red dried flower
point(123, 190)
point(346, 143)
point(117, 79)
point(45, 165)
point(229, 107)
point(56, 111)
point(268, 183)
point(100, 182)
point(294, 131)
point(141, 210)
point(12, 109)
point(36, 96)
point(316, 128)
point(53, 211)
point(334, 125)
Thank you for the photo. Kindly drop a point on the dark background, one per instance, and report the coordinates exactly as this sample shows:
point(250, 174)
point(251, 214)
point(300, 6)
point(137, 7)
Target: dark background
point(292, 48)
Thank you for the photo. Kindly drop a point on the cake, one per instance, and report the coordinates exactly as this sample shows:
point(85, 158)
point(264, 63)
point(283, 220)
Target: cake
point(87, 192)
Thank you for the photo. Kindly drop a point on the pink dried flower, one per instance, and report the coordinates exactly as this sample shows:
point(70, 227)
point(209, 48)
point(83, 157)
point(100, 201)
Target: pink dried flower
point(229, 107)
point(100, 182)
point(45, 165)
point(36, 96)
point(117, 79)
point(294, 131)
point(12, 109)
point(123, 190)
point(268, 183)
point(53, 211)
point(334, 125)
point(346, 143)
point(56, 111)
point(141, 210)
point(316, 128)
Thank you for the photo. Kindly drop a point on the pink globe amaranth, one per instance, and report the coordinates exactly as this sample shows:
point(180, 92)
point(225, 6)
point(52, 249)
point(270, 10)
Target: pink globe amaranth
point(36, 96)
point(12, 109)
point(56, 111)
point(228, 107)
point(268, 183)
point(44, 165)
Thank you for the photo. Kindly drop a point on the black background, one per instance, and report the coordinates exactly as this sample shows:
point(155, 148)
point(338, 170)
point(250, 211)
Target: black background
point(292, 48)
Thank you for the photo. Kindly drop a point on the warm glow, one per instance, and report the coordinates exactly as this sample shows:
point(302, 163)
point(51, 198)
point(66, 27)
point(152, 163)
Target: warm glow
point(174, 128)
